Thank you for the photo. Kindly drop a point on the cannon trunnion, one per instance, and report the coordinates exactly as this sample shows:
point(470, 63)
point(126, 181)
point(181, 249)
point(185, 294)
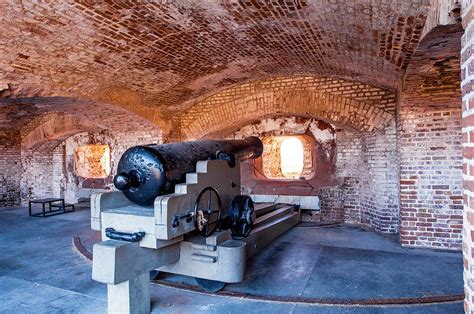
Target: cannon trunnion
point(179, 210)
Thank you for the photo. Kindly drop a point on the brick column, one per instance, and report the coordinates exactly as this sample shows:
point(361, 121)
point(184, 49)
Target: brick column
point(429, 121)
point(467, 76)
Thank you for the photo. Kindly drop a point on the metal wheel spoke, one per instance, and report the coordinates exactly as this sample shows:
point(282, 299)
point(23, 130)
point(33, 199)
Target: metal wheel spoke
point(209, 200)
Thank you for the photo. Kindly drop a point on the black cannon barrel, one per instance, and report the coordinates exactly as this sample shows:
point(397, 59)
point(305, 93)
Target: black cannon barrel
point(145, 172)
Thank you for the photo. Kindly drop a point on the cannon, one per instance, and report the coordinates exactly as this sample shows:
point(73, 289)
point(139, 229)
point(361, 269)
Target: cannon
point(144, 172)
point(178, 209)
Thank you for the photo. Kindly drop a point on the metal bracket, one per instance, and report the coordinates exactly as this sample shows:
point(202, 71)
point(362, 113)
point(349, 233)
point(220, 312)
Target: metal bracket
point(124, 236)
point(188, 217)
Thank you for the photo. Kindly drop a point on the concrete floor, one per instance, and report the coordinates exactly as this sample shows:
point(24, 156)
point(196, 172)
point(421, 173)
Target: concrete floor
point(41, 272)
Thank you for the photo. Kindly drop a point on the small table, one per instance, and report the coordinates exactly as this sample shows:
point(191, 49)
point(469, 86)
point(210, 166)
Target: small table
point(52, 203)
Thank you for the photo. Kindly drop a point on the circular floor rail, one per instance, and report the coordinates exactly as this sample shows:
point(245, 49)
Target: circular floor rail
point(295, 299)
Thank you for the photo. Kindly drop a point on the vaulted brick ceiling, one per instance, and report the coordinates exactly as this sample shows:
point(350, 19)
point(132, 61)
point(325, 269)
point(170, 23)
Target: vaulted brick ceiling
point(166, 55)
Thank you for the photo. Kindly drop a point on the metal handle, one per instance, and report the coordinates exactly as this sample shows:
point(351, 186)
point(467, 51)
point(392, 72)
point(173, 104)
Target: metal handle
point(124, 236)
point(188, 217)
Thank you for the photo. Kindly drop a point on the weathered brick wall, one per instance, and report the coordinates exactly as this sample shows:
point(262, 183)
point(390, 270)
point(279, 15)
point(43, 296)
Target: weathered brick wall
point(366, 168)
point(467, 76)
point(10, 164)
point(331, 200)
point(58, 175)
point(349, 165)
point(34, 159)
point(41, 172)
point(380, 181)
point(367, 165)
point(430, 144)
point(47, 170)
point(365, 188)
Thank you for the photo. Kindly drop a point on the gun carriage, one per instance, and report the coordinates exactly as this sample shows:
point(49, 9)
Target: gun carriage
point(178, 209)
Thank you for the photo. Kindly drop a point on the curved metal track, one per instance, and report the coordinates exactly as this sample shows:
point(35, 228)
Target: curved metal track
point(295, 299)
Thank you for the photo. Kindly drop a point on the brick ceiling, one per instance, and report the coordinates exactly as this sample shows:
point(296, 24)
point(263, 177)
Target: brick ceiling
point(167, 55)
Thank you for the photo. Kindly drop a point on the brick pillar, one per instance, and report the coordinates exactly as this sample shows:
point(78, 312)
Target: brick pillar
point(467, 76)
point(430, 138)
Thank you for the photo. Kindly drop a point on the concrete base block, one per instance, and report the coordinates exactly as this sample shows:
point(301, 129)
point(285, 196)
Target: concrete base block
point(305, 202)
point(132, 296)
point(118, 261)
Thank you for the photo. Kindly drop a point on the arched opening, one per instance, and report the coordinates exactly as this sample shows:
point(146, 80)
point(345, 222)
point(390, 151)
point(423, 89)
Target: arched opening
point(291, 158)
point(92, 161)
point(288, 157)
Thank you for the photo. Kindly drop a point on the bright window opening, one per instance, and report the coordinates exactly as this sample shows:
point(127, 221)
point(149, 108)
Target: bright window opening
point(292, 158)
point(287, 157)
point(92, 161)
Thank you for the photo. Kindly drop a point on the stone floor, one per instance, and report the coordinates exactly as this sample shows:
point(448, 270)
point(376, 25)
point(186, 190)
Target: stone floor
point(41, 272)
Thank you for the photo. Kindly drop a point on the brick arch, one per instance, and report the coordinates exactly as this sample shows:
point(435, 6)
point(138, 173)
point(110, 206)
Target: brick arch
point(43, 119)
point(98, 113)
point(230, 130)
point(342, 111)
point(51, 129)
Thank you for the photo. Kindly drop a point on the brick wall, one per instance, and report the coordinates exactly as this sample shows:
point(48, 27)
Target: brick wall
point(47, 170)
point(429, 120)
point(35, 161)
point(9, 167)
point(367, 167)
point(379, 181)
point(467, 76)
point(41, 172)
point(366, 186)
point(349, 165)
